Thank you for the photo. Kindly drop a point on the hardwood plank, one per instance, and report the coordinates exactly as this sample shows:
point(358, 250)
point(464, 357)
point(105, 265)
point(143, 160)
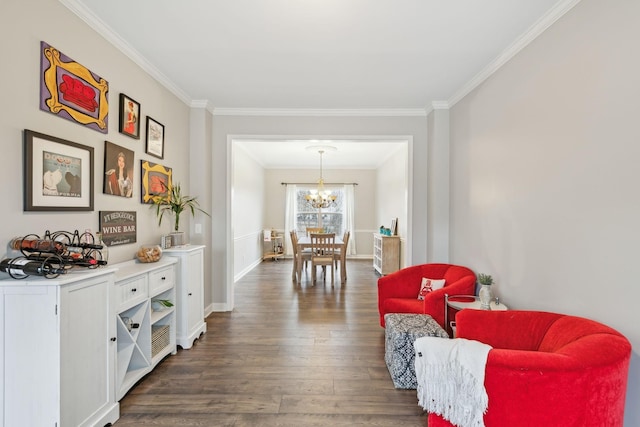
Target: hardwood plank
point(288, 355)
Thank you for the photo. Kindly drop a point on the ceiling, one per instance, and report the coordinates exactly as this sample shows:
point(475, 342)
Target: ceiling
point(386, 55)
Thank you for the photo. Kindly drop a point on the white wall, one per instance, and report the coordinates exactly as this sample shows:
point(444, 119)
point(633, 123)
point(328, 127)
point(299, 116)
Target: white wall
point(248, 211)
point(200, 173)
point(545, 174)
point(23, 24)
point(391, 199)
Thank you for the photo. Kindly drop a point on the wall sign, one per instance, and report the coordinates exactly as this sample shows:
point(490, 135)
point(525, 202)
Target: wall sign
point(118, 227)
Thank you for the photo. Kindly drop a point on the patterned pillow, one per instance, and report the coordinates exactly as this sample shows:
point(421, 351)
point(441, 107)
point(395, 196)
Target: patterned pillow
point(429, 285)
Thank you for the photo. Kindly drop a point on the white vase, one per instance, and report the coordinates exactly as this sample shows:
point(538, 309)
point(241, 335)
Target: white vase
point(485, 297)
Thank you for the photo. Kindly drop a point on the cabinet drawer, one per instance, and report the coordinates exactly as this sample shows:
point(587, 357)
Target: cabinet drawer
point(161, 280)
point(131, 292)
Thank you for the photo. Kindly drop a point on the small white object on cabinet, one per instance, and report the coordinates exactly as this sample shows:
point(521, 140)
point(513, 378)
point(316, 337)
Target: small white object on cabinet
point(386, 253)
point(189, 293)
point(145, 336)
point(57, 350)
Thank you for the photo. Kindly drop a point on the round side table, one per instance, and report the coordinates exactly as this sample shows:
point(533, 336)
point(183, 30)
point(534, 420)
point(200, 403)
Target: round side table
point(459, 302)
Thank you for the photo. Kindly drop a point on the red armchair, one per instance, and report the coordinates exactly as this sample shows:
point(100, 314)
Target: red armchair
point(398, 292)
point(548, 369)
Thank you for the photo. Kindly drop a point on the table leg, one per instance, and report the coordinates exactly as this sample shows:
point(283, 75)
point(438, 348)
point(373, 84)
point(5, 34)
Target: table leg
point(343, 265)
point(295, 268)
point(299, 266)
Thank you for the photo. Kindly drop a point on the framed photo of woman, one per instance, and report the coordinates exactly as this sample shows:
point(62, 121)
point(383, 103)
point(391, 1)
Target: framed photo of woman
point(129, 116)
point(118, 170)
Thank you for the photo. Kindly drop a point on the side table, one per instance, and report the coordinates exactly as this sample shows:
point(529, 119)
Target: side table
point(459, 302)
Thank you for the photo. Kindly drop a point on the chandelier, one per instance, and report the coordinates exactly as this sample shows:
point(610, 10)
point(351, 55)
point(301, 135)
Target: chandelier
point(321, 198)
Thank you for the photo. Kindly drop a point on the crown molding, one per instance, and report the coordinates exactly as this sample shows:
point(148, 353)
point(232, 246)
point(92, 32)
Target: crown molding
point(440, 105)
point(555, 13)
point(320, 112)
point(105, 31)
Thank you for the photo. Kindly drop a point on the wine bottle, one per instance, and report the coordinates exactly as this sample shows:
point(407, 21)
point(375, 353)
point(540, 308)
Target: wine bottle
point(37, 245)
point(19, 268)
point(104, 250)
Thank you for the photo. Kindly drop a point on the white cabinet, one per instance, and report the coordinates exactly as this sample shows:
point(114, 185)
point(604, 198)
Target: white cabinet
point(57, 350)
point(386, 253)
point(189, 293)
point(146, 331)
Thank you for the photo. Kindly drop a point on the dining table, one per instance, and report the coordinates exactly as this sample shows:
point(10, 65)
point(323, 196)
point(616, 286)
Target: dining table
point(304, 242)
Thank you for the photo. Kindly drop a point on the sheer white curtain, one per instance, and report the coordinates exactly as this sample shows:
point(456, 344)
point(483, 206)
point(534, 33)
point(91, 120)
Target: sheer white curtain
point(349, 217)
point(290, 216)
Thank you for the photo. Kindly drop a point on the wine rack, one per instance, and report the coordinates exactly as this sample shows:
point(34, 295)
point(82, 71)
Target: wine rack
point(53, 254)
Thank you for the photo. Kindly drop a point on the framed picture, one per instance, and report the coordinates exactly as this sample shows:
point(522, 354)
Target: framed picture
point(156, 181)
point(155, 138)
point(71, 91)
point(58, 174)
point(129, 116)
point(118, 170)
point(394, 227)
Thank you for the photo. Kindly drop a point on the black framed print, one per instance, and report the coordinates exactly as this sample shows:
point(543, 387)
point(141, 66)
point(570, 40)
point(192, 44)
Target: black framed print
point(58, 174)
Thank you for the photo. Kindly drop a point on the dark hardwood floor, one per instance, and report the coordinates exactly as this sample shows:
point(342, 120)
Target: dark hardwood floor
point(288, 355)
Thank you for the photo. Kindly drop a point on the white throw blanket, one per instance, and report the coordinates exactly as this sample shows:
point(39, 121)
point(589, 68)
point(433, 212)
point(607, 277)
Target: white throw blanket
point(450, 376)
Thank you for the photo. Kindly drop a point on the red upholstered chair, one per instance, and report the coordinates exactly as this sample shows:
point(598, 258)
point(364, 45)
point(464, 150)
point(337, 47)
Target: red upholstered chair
point(548, 369)
point(398, 292)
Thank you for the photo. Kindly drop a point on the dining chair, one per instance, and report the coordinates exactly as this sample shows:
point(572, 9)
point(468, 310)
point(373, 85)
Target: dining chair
point(303, 256)
point(317, 230)
point(337, 256)
point(322, 252)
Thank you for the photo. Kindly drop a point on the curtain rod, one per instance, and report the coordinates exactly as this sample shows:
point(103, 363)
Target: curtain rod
point(316, 183)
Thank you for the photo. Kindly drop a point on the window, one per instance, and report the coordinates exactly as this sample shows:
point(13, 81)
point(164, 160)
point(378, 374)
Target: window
point(332, 219)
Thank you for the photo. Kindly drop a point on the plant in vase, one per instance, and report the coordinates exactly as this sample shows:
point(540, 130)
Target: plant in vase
point(161, 304)
point(485, 281)
point(175, 203)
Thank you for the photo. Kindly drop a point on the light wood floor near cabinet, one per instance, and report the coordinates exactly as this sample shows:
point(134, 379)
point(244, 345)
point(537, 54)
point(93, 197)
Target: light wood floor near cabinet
point(288, 355)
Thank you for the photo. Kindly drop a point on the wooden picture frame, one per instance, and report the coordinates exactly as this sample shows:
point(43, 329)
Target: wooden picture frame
point(118, 170)
point(72, 91)
point(58, 174)
point(156, 181)
point(155, 138)
point(129, 123)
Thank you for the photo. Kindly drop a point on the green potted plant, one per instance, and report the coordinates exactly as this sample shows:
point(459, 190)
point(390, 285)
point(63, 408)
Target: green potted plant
point(175, 203)
point(484, 294)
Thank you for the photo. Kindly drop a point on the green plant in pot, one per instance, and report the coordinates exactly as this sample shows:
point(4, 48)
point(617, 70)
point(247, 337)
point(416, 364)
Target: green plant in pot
point(485, 293)
point(175, 203)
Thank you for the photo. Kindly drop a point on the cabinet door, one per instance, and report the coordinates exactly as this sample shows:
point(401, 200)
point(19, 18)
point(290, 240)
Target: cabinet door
point(194, 282)
point(29, 358)
point(87, 352)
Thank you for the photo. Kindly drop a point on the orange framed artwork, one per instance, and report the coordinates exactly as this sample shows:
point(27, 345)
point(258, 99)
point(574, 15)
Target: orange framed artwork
point(156, 181)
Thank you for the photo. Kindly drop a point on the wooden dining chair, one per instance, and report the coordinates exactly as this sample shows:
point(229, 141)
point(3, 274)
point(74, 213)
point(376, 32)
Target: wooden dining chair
point(316, 230)
point(322, 252)
point(337, 255)
point(303, 256)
